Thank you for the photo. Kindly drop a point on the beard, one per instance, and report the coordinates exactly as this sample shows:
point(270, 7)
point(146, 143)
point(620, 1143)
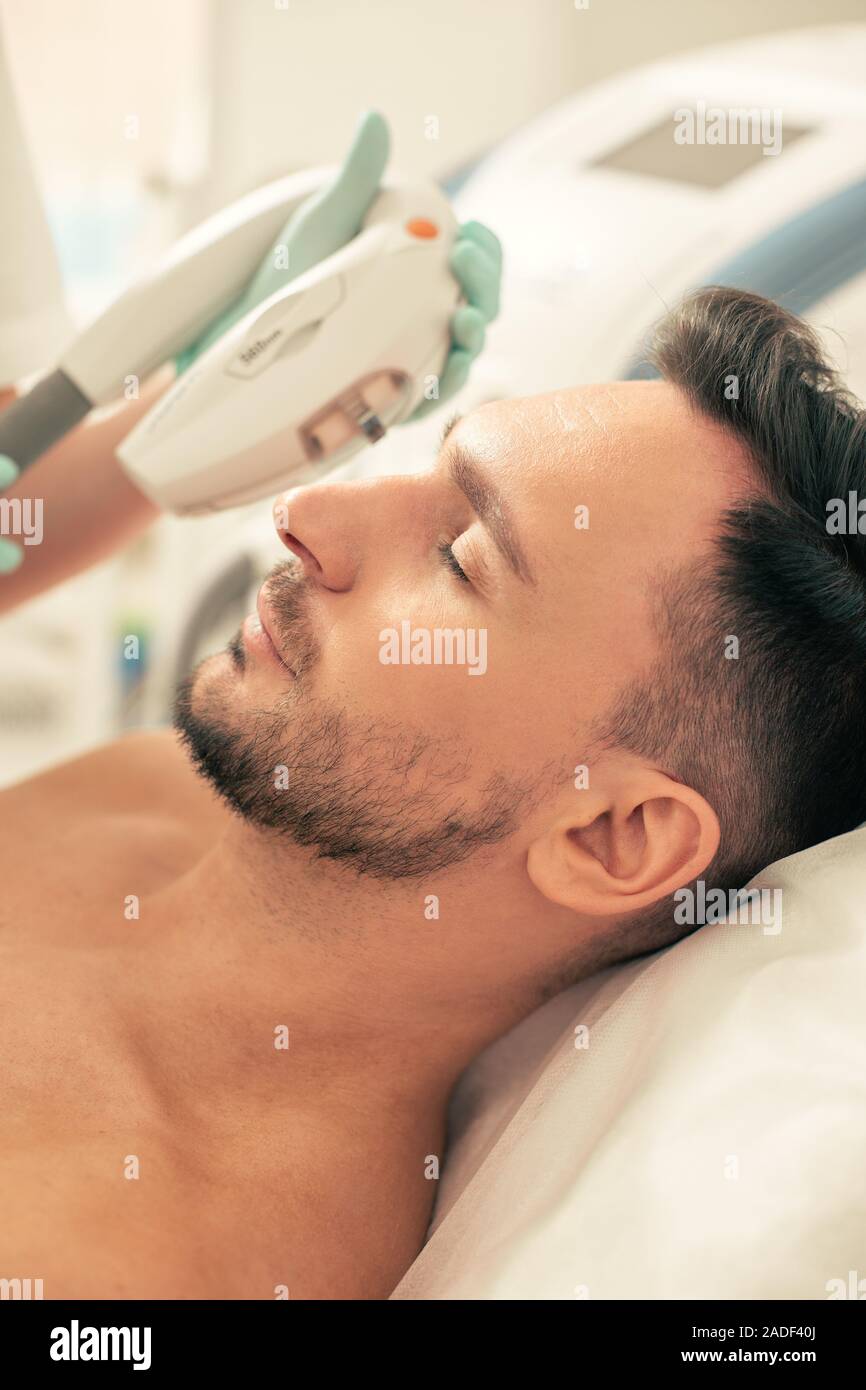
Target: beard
point(390, 802)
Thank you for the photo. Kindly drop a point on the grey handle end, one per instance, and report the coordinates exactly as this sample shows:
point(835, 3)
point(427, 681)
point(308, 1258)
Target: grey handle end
point(33, 423)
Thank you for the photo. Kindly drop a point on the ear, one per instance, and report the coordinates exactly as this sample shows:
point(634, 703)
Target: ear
point(632, 841)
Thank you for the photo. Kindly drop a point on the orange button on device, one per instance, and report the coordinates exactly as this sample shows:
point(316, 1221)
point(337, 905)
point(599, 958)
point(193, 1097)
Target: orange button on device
point(419, 226)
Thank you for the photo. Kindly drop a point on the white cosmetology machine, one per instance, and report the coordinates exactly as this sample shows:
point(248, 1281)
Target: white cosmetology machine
point(304, 379)
point(606, 220)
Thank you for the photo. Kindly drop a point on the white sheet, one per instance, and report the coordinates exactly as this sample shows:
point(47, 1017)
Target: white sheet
point(709, 1143)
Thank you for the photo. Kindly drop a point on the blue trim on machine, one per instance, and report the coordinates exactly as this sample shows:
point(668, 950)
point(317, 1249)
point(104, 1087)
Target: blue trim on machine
point(800, 262)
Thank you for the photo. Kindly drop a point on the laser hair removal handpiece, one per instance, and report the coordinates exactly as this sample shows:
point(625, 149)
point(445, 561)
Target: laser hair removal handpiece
point(294, 388)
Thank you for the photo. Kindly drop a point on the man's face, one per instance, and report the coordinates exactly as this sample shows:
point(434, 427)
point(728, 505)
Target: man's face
point(364, 741)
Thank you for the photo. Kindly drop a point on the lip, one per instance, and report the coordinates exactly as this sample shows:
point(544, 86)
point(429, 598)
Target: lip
point(259, 635)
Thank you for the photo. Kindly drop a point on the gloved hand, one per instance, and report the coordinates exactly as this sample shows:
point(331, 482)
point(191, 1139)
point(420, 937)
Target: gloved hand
point(331, 218)
point(11, 554)
point(476, 263)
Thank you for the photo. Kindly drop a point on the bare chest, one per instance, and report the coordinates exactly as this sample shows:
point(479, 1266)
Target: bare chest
point(111, 1193)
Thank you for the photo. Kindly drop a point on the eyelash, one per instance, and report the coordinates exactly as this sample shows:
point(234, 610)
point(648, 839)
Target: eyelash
point(452, 563)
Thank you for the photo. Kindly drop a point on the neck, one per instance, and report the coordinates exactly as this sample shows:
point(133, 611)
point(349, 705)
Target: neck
point(379, 999)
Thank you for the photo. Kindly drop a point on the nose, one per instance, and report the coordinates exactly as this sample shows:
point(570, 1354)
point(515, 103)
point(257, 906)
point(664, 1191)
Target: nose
point(300, 525)
point(334, 528)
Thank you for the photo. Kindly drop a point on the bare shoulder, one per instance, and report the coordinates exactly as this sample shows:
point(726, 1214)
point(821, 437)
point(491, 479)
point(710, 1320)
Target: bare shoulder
point(145, 771)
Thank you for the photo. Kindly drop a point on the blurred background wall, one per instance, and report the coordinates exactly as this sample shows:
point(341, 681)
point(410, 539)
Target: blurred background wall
point(142, 117)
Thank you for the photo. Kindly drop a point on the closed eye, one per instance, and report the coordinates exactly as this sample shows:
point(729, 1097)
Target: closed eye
point(452, 563)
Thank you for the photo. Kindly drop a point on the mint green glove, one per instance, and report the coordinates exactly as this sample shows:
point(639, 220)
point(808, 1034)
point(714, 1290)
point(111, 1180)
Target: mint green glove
point(476, 263)
point(11, 554)
point(331, 218)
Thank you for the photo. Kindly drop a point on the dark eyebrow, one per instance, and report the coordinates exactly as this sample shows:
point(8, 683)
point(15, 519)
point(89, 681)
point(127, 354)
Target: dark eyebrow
point(486, 501)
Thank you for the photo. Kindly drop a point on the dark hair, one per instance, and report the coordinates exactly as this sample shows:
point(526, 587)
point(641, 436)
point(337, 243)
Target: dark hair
point(775, 740)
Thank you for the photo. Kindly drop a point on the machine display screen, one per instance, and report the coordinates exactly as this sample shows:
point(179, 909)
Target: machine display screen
point(657, 154)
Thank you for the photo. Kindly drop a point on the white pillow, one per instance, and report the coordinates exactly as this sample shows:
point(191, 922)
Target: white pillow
point(708, 1143)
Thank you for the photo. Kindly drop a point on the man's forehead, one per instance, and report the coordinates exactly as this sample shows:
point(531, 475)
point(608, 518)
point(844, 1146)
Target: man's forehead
point(556, 422)
point(622, 435)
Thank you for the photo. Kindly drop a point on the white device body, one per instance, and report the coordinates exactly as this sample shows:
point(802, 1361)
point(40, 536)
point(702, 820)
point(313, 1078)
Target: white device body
point(235, 426)
point(595, 251)
point(185, 291)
